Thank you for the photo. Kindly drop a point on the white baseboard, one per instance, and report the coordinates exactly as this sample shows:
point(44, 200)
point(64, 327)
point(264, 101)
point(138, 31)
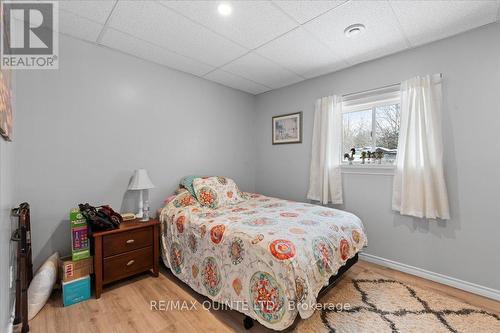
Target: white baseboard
point(436, 277)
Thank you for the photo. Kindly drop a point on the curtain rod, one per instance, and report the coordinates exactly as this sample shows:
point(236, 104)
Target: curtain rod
point(379, 88)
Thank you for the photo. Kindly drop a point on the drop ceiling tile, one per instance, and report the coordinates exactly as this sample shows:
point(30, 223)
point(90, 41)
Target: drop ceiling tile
point(427, 21)
point(237, 82)
point(302, 53)
point(142, 49)
point(259, 69)
point(251, 23)
point(382, 36)
point(159, 25)
point(303, 11)
point(95, 10)
point(78, 26)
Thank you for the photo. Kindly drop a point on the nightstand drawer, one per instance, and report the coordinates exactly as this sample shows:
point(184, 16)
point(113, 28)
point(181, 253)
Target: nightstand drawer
point(127, 241)
point(126, 264)
point(131, 248)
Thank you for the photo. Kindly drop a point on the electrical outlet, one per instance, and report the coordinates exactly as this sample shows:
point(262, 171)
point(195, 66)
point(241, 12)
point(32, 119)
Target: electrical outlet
point(11, 274)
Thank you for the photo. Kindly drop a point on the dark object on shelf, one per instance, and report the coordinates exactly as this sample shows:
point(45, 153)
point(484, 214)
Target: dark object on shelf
point(100, 218)
point(24, 273)
point(113, 216)
point(350, 158)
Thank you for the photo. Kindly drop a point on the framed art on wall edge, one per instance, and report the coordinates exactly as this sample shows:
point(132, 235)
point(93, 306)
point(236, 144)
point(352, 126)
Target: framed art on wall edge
point(287, 128)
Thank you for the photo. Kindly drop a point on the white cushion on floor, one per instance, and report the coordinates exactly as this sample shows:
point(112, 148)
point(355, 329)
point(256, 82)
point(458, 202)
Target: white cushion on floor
point(41, 285)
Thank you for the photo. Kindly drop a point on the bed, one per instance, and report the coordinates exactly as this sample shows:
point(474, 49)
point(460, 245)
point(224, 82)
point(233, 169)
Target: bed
point(265, 257)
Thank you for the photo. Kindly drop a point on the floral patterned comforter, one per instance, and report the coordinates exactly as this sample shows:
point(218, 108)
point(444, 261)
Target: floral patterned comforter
point(265, 257)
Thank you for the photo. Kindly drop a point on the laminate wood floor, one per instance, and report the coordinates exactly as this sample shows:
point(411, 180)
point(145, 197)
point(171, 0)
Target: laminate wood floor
point(126, 306)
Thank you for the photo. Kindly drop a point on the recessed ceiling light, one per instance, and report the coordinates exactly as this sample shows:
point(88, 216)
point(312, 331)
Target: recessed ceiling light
point(224, 9)
point(354, 30)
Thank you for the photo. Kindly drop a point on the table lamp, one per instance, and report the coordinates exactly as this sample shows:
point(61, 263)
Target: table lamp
point(140, 182)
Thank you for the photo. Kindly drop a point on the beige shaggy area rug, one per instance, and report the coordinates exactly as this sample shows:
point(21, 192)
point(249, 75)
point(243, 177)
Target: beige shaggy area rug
point(378, 304)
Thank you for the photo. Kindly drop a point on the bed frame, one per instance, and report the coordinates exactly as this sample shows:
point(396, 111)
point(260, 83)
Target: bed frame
point(349, 263)
point(248, 321)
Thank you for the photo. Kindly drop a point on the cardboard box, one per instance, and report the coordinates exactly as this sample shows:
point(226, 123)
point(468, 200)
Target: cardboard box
point(70, 270)
point(76, 291)
point(80, 244)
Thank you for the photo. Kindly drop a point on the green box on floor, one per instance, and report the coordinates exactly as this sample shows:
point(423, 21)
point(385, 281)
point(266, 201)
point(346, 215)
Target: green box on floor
point(76, 291)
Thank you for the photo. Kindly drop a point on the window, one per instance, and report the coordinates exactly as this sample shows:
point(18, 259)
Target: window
point(371, 125)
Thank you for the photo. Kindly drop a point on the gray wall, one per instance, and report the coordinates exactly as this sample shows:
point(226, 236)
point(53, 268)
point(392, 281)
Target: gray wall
point(467, 246)
point(82, 130)
point(7, 256)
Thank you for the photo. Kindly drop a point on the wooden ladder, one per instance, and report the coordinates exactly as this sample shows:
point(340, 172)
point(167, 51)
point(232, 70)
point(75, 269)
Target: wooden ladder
point(24, 271)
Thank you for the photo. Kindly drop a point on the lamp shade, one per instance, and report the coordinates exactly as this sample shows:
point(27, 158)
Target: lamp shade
point(140, 180)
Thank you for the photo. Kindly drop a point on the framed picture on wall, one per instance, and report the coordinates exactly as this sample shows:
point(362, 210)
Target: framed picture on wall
point(5, 105)
point(287, 128)
point(5, 96)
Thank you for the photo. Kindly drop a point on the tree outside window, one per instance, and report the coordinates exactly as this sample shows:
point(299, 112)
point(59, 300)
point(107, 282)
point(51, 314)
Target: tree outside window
point(373, 129)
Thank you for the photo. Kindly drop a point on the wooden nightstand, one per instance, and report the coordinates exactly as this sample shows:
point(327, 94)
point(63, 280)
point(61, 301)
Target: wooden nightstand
point(119, 253)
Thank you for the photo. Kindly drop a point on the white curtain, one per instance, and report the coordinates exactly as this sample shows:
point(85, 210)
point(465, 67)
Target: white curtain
point(419, 185)
point(325, 180)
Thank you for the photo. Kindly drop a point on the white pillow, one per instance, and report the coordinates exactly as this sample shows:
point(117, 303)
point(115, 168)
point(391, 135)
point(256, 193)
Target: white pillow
point(41, 285)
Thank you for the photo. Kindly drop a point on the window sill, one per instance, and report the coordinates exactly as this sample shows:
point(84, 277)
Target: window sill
point(368, 169)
